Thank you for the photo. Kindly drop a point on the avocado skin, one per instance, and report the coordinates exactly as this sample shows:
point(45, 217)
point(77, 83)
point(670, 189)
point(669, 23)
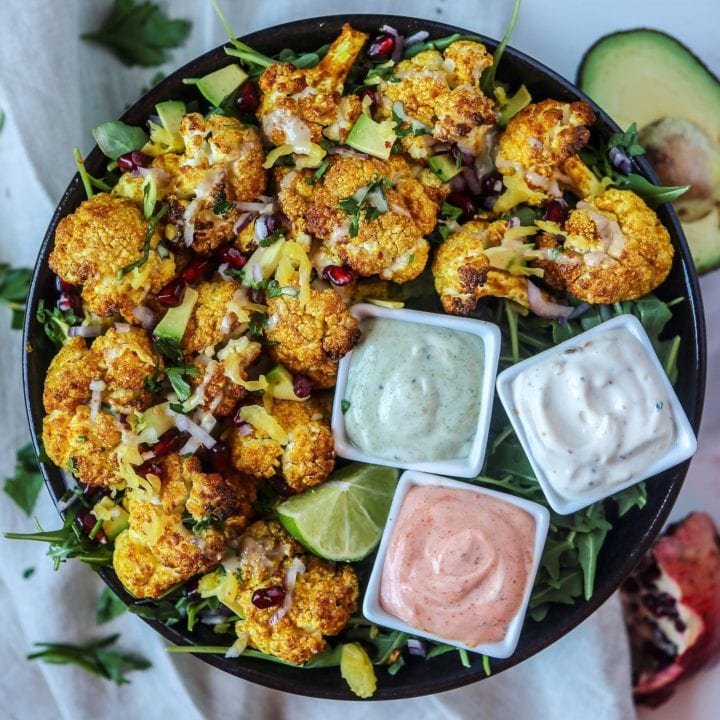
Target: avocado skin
point(601, 84)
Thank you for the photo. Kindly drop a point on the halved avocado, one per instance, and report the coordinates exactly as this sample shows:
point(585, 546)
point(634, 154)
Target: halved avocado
point(652, 79)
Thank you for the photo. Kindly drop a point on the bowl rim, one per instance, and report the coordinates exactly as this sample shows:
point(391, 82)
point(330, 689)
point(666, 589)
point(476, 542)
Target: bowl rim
point(256, 670)
point(465, 467)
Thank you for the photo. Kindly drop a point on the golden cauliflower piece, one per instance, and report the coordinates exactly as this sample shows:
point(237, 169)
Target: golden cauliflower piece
point(163, 168)
point(536, 147)
point(294, 196)
point(463, 274)
point(297, 104)
point(305, 460)
point(311, 338)
point(84, 444)
point(391, 244)
point(442, 92)
point(222, 163)
point(614, 249)
point(318, 597)
point(158, 551)
point(103, 236)
point(67, 383)
point(214, 318)
point(126, 359)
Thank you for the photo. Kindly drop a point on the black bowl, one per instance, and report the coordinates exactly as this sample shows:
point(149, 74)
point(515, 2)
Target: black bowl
point(625, 544)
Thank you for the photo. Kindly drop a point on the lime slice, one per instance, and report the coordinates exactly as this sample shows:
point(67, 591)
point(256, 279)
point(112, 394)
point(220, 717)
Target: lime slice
point(343, 518)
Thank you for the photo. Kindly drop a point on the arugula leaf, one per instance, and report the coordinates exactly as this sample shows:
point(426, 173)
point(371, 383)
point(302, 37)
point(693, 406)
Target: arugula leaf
point(55, 322)
point(654, 195)
point(115, 138)
point(176, 376)
point(94, 656)
point(146, 243)
point(14, 285)
point(89, 182)
point(108, 606)
point(487, 80)
point(24, 486)
point(140, 33)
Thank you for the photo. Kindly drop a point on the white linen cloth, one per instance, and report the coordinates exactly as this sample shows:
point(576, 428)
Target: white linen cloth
point(53, 90)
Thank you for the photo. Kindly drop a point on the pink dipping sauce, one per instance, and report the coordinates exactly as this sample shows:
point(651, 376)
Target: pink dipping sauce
point(458, 564)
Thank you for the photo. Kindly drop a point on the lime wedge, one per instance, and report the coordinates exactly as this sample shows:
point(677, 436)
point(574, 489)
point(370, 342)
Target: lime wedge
point(343, 518)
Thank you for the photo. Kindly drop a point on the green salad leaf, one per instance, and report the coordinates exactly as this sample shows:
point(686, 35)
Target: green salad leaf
point(14, 285)
point(115, 138)
point(108, 606)
point(25, 485)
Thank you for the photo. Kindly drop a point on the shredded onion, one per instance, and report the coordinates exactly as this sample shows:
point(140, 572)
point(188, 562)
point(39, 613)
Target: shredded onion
point(471, 179)
point(245, 429)
point(417, 647)
point(579, 311)
point(122, 327)
point(416, 38)
point(86, 331)
point(185, 424)
point(238, 647)
point(344, 151)
point(250, 206)
point(242, 222)
point(96, 388)
point(145, 316)
point(513, 222)
point(257, 274)
point(399, 41)
point(296, 568)
point(546, 308)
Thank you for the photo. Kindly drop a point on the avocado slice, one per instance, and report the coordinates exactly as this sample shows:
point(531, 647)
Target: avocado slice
point(220, 84)
point(650, 78)
point(373, 138)
point(444, 166)
point(153, 423)
point(166, 136)
point(172, 326)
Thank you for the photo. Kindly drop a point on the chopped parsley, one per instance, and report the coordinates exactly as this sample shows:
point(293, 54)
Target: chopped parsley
point(344, 406)
point(25, 485)
point(222, 205)
point(176, 376)
point(140, 33)
point(258, 322)
point(369, 199)
point(312, 179)
point(146, 244)
point(28, 572)
point(55, 322)
point(14, 284)
point(272, 238)
point(274, 289)
point(168, 347)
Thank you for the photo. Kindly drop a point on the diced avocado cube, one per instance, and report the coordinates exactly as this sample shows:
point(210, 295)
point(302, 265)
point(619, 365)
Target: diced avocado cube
point(153, 423)
point(173, 324)
point(373, 138)
point(444, 166)
point(219, 85)
point(113, 526)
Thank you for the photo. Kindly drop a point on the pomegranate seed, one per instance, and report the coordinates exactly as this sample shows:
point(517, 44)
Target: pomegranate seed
point(133, 160)
point(458, 155)
point(465, 203)
point(220, 457)
point(148, 468)
point(381, 48)
point(492, 183)
point(268, 597)
point(231, 255)
point(172, 294)
point(66, 303)
point(169, 442)
point(556, 211)
point(338, 275)
point(302, 386)
point(197, 270)
point(367, 92)
point(247, 99)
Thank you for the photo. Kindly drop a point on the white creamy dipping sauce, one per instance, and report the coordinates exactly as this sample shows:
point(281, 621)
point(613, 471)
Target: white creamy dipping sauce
point(413, 391)
point(596, 415)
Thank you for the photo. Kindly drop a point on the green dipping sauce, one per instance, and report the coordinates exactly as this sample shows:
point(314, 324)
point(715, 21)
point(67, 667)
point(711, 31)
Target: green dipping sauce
point(414, 391)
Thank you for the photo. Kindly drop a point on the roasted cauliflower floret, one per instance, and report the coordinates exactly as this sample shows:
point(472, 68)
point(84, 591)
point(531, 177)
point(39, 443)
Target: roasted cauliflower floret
point(463, 273)
point(127, 359)
point(158, 551)
point(297, 104)
point(615, 248)
point(465, 61)
point(294, 196)
point(215, 316)
point(84, 444)
point(318, 597)
point(311, 338)
point(304, 460)
point(382, 232)
point(534, 150)
point(93, 244)
point(68, 379)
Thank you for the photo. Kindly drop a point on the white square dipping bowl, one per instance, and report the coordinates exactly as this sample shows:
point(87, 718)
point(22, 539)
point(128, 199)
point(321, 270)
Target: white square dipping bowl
point(459, 467)
point(682, 447)
point(373, 610)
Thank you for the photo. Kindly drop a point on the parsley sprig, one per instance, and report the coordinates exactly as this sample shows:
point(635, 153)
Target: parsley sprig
point(370, 201)
point(14, 284)
point(24, 486)
point(94, 656)
point(140, 33)
point(55, 322)
point(177, 377)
